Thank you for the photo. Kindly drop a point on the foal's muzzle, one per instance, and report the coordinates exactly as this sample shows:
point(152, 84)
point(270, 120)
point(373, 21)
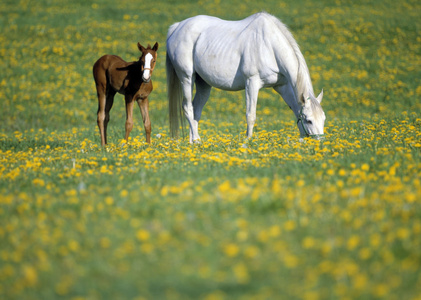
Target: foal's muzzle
point(150, 75)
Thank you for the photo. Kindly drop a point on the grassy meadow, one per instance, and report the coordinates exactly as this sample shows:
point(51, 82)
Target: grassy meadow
point(269, 218)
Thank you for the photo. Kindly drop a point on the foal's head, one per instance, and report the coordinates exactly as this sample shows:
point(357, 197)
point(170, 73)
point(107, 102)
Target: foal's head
point(147, 60)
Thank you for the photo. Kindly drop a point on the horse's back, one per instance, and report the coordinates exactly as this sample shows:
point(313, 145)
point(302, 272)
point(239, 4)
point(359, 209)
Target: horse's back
point(182, 36)
point(225, 53)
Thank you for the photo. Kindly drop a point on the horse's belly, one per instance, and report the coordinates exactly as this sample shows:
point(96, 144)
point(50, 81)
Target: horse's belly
point(225, 75)
point(228, 65)
point(221, 80)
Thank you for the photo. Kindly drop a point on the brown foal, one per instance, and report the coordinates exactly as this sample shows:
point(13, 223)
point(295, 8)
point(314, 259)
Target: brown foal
point(132, 79)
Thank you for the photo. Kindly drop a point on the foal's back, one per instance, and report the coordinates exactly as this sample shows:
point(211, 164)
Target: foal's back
point(111, 70)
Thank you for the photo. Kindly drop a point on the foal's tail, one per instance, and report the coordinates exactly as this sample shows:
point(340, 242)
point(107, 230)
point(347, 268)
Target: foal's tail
point(175, 98)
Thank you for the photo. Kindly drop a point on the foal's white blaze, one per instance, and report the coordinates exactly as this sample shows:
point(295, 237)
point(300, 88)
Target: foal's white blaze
point(147, 67)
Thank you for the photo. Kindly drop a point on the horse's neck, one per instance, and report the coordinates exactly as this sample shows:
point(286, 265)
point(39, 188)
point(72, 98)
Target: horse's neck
point(290, 59)
point(302, 83)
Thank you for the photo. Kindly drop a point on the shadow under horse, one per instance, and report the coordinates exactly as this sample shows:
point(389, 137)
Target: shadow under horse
point(132, 79)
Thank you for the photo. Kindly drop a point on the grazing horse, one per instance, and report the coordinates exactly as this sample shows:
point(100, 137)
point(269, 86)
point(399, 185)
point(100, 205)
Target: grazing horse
point(249, 54)
point(132, 79)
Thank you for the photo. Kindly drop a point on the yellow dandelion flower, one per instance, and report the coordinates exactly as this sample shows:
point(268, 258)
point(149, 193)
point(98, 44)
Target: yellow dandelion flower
point(380, 290)
point(142, 235)
point(290, 261)
point(241, 273)
point(231, 250)
point(353, 242)
point(147, 248)
point(38, 182)
point(289, 225)
point(360, 281)
point(73, 245)
point(30, 275)
point(109, 200)
point(105, 242)
point(308, 242)
point(365, 167)
point(251, 251)
point(403, 233)
point(217, 295)
point(224, 187)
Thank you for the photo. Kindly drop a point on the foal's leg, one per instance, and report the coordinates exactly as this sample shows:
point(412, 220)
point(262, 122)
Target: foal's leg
point(202, 95)
point(129, 115)
point(144, 110)
point(252, 91)
point(105, 102)
point(101, 111)
point(108, 105)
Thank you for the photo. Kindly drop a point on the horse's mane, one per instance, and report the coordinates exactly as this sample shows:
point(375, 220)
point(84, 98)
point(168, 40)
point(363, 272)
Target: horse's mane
point(303, 82)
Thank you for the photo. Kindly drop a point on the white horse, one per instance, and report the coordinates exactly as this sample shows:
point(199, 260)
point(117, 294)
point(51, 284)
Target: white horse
point(249, 54)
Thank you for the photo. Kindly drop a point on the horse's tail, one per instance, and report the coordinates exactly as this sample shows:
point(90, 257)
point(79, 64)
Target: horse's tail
point(175, 97)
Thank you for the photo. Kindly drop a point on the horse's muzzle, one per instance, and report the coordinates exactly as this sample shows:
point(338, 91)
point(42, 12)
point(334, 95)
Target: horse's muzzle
point(319, 137)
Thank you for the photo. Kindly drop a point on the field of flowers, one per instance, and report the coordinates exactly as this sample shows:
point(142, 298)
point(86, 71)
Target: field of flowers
point(268, 218)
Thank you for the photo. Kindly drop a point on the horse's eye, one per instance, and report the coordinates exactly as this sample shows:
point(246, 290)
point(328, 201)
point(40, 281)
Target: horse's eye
point(309, 122)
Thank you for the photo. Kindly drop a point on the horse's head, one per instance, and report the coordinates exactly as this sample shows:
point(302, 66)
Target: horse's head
point(311, 118)
point(147, 60)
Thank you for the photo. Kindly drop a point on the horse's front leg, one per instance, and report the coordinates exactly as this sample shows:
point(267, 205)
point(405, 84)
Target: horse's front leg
point(129, 116)
point(144, 110)
point(252, 92)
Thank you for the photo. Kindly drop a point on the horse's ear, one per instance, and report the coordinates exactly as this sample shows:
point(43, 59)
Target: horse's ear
point(305, 101)
point(141, 48)
point(155, 47)
point(320, 97)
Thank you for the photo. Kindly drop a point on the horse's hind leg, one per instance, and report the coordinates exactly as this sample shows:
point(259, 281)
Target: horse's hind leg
point(187, 84)
point(202, 95)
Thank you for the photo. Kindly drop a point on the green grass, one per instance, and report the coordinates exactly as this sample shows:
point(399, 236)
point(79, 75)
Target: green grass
point(268, 218)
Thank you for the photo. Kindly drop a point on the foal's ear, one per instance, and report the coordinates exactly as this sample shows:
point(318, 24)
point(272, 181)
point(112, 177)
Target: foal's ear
point(320, 97)
point(155, 47)
point(141, 48)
